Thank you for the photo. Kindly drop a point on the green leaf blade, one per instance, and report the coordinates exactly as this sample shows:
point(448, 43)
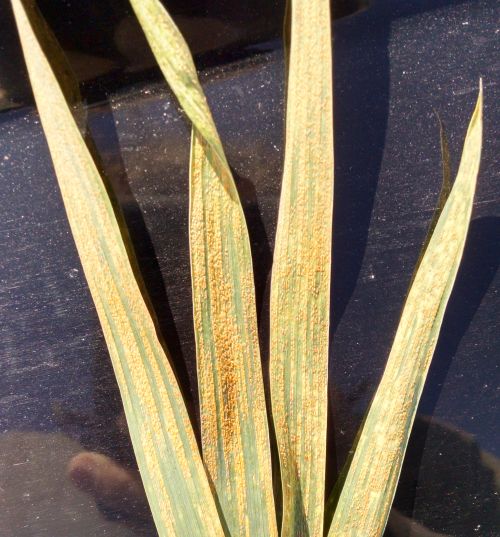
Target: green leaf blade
point(171, 468)
point(370, 484)
point(300, 291)
point(176, 63)
point(235, 436)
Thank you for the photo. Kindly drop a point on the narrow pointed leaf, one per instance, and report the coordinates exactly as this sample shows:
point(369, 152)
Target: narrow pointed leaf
point(171, 468)
point(446, 186)
point(234, 426)
point(442, 198)
point(368, 490)
point(176, 63)
point(446, 165)
point(300, 292)
point(235, 434)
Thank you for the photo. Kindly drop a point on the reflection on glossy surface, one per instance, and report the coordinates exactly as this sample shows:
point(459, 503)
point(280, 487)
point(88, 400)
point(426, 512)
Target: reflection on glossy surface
point(445, 462)
point(94, 494)
point(36, 496)
point(106, 47)
point(59, 405)
point(452, 462)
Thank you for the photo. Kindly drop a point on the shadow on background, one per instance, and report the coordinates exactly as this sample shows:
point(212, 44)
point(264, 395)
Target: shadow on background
point(361, 113)
point(478, 268)
point(361, 90)
point(361, 110)
point(107, 399)
point(362, 99)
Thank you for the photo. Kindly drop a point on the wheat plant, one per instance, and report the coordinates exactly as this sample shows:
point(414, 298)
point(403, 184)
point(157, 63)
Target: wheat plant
point(226, 489)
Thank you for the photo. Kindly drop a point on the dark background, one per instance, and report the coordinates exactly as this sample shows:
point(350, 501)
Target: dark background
point(395, 64)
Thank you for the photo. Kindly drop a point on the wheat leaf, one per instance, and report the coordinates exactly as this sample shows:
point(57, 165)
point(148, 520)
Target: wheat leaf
point(235, 435)
point(176, 63)
point(171, 468)
point(370, 483)
point(300, 292)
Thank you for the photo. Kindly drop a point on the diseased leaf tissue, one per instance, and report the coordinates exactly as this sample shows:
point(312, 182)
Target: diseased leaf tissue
point(227, 490)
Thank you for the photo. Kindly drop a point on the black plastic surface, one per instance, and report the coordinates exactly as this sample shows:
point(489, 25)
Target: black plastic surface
point(395, 63)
